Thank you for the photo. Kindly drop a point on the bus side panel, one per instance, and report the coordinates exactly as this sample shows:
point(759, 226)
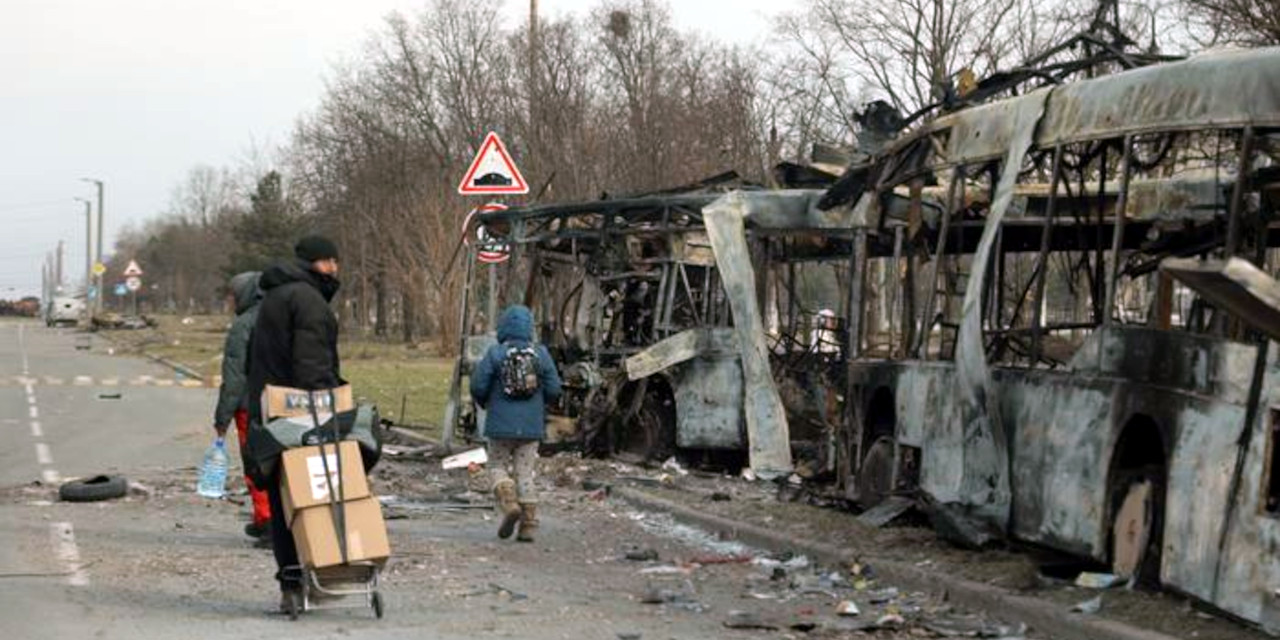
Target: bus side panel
point(1062, 430)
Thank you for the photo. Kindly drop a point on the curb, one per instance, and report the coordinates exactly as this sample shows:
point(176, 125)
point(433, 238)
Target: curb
point(176, 366)
point(1045, 617)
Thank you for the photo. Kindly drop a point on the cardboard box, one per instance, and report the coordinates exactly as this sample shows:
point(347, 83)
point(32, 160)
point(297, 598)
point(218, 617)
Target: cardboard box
point(302, 479)
point(316, 534)
point(286, 402)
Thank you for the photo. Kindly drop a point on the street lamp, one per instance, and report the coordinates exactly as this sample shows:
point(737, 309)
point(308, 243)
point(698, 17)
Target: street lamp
point(88, 248)
point(98, 301)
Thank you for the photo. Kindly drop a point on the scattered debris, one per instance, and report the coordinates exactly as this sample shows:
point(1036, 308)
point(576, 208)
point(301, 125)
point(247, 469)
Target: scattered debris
point(748, 620)
point(883, 595)
point(1090, 606)
point(110, 396)
point(477, 456)
point(955, 526)
point(720, 496)
point(93, 489)
point(642, 555)
point(666, 569)
point(887, 511)
point(847, 608)
point(890, 620)
point(628, 635)
point(595, 485)
point(727, 559)
point(672, 464)
point(1091, 580)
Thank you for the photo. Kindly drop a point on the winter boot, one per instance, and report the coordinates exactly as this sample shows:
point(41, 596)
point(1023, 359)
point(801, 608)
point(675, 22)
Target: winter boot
point(505, 493)
point(528, 522)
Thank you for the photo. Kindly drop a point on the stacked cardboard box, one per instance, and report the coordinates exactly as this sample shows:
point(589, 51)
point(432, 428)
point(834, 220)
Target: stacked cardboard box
point(316, 504)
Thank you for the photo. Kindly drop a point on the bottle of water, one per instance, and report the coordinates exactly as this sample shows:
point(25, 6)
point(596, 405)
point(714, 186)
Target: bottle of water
point(213, 471)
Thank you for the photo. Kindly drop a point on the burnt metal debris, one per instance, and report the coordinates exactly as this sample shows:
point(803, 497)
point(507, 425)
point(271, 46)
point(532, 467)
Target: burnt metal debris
point(974, 315)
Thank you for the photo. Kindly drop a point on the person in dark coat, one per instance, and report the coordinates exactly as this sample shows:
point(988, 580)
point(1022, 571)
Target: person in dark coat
point(233, 396)
point(295, 344)
point(516, 425)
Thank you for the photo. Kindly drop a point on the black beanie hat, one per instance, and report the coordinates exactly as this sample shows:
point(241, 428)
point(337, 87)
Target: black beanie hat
point(315, 247)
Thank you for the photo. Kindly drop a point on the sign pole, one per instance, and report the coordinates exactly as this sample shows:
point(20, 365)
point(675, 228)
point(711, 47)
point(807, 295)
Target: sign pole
point(493, 297)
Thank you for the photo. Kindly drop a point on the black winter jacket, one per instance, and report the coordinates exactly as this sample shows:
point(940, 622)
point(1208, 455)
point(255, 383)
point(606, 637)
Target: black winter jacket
point(295, 341)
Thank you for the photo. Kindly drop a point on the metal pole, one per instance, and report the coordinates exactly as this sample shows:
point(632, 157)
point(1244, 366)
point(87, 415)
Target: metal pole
point(97, 303)
point(57, 273)
point(88, 248)
point(954, 196)
point(1042, 260)
point(1117, 235)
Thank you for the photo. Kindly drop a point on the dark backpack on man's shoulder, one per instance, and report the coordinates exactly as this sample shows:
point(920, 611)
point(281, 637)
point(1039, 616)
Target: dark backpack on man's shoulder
point(519, 371)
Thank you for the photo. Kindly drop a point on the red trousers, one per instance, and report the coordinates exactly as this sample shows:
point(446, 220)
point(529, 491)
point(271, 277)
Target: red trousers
point(261, 507)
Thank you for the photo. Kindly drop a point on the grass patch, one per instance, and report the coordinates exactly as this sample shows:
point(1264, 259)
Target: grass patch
point(380, 372)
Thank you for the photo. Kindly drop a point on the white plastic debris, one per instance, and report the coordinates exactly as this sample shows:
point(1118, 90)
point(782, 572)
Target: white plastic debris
point(1088, 606)
point(673, 465)
point(1090, 580)
point(847, 608)
point(476, 456)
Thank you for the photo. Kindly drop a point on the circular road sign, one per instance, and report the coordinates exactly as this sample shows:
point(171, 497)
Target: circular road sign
point(133, 284)
point(490, 249)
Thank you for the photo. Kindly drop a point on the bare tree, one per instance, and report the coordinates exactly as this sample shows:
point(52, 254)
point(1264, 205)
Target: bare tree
point(1253, 23)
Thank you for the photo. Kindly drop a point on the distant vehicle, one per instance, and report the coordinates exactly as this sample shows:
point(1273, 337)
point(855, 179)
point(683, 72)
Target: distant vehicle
point(64, 310)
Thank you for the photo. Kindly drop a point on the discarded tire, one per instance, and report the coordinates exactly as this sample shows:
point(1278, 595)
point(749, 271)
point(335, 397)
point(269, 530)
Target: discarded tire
point(94, 489)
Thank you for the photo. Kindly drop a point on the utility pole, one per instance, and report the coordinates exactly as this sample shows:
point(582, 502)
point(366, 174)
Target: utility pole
point(88, 248)
point(97, 303)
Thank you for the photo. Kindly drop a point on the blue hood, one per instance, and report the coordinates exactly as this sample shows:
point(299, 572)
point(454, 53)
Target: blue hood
point(516, 323)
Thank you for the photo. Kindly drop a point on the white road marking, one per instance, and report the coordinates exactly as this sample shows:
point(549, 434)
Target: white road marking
point(82, 381)
point(31, 387)
point(36, 431)
point(50, 476)
point(109, 382)
point(31, 400)
point(35, 413)
point(64, 542)
point(42, 454)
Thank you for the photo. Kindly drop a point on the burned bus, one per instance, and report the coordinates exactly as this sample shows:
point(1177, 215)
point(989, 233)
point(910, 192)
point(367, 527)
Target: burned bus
point(1067, 342)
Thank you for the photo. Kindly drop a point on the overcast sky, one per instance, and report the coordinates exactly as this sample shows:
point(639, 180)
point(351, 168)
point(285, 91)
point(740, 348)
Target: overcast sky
point(136, 92)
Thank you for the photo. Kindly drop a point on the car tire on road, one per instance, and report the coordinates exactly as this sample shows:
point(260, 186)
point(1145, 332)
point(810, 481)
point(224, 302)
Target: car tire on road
point(94, 489)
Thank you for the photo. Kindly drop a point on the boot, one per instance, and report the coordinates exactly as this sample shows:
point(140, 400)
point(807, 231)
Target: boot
point(505, 493)
point(528, 522)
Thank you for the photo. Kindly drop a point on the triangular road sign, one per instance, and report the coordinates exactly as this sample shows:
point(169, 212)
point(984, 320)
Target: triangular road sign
point(492, 171)
point(133, 269)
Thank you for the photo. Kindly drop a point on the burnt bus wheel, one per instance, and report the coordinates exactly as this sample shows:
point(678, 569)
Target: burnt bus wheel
point(650, 434)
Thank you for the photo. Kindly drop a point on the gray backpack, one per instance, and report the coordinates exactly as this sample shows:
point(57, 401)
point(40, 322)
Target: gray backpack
point(519, 372)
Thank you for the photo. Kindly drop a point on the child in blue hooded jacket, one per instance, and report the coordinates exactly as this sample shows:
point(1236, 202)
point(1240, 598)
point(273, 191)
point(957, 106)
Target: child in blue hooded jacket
point(513, 382)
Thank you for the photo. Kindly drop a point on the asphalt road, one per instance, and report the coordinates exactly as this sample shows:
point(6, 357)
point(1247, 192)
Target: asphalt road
point(165, 563)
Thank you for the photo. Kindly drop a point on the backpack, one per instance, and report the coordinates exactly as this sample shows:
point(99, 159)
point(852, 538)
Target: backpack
point(519, 372)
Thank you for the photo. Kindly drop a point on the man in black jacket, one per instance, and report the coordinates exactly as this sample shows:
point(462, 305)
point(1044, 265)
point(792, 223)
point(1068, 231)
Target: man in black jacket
point(295, 344)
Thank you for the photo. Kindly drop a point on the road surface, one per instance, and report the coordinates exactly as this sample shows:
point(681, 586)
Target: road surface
point(164, 563)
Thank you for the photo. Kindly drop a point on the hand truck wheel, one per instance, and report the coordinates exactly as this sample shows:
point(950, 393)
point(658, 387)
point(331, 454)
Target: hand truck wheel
point(376, 599)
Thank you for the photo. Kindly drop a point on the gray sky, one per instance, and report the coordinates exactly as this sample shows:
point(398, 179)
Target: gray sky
point(136, 92)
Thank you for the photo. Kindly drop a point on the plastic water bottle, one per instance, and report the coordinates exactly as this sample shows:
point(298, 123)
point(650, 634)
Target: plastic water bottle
point(213, 471)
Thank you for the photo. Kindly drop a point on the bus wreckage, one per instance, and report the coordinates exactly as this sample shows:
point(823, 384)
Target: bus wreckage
point(1047, 316)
